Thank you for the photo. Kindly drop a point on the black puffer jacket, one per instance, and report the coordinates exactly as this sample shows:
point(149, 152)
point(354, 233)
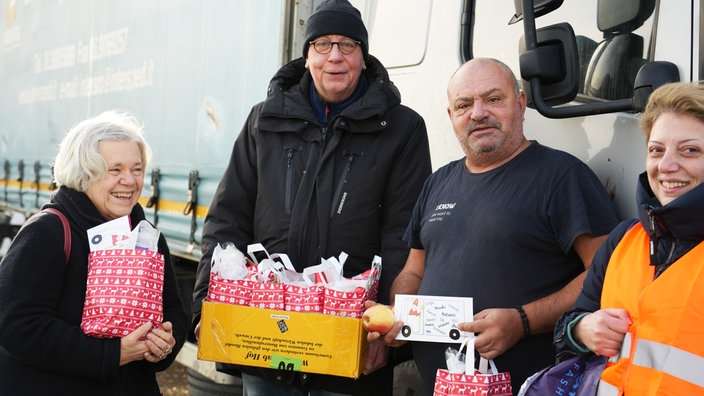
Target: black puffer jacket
point(313, 191)
point(43, 350)
point(676, 227)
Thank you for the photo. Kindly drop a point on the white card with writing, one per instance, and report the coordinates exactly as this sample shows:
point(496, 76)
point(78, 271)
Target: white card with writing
point(432, 318)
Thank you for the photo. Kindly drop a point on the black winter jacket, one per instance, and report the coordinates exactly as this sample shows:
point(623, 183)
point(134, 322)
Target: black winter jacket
point(43, 350)
point(313, 191)
point(676, 227)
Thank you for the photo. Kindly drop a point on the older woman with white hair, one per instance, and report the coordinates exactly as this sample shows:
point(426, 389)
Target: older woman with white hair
point(43, 350)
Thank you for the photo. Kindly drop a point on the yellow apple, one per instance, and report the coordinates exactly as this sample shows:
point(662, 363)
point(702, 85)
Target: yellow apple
point(378, 318)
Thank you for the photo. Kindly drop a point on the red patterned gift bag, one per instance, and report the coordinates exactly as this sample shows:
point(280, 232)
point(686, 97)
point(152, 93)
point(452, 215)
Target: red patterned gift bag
point(267, 295)
point(347, 297)
point(304, 298)
point(482, 382)
point(229, 291)
point(373, 273)
point(345, 303)
point(124, 290)
point(230, 276)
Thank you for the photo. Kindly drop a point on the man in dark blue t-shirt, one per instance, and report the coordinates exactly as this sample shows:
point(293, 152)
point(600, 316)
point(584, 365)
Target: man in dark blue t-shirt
point(514, 225)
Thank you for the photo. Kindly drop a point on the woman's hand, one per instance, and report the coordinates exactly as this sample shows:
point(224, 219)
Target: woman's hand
point(603, 331)
point(132, 348)
point(160, 342)
point(147, 343)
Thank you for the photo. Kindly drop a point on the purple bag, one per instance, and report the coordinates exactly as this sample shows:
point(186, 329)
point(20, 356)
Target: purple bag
point(576, 376)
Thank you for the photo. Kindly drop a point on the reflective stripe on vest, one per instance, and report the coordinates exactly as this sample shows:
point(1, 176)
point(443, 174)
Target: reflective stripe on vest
point(663, 352)
point(625, 351)
point(606, 389)
point(670, 360)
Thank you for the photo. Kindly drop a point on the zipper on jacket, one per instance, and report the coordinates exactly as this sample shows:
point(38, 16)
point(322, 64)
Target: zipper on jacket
point(668, 261)
point(289, 179)
point(327, 123)
point(338, 201)
point(652, 238)
point(673, 245)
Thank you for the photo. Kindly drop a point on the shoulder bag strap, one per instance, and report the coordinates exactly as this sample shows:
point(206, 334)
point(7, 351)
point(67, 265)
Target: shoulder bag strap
point(67, 230)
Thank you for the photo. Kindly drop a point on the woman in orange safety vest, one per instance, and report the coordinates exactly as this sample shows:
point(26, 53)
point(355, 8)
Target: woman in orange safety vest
point(642, 303)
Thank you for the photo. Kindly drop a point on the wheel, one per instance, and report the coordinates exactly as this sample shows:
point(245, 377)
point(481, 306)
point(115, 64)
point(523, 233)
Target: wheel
point(406, 330)
point(199, 385)
point(455, 334)
point(407, 381)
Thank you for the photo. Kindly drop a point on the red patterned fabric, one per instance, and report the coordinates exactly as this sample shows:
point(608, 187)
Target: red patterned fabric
point(351, 303)
point(457, 384)
point(228, 291)
point(124, 290)
point(348, 304)
point(304, 298)
point(267, 295)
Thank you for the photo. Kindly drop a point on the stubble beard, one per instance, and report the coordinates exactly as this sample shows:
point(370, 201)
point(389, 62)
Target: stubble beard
point(479, 149)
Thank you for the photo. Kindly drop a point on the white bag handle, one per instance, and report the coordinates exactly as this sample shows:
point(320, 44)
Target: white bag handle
point(256, 248)
point(326, 270)
point(483, 366)
point(468, 344)
point(284, 260)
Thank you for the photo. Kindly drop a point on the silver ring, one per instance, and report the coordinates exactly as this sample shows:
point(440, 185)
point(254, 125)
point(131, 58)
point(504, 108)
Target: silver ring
point(162, 356)
point(168, 348)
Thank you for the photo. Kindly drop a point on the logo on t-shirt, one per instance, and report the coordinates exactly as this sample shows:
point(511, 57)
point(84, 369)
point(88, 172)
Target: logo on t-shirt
point(441, 211)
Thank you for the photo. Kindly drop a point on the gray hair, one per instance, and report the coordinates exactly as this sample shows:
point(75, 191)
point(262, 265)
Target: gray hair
point(78, 161)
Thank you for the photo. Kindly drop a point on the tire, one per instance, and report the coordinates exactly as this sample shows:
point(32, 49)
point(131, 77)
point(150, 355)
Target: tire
point(407, 381)
point(199, 385)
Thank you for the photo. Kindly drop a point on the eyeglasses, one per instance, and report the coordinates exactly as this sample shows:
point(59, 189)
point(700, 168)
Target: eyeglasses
point(324, 46)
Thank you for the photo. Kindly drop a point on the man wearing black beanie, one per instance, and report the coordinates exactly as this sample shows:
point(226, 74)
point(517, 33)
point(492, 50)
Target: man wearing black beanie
point(329, 162)
point(336, 17)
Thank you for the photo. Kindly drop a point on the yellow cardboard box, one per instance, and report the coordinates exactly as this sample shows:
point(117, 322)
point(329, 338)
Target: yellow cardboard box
point(308, 342)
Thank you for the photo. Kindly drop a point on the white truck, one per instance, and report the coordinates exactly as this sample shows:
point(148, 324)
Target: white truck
point(193, 68)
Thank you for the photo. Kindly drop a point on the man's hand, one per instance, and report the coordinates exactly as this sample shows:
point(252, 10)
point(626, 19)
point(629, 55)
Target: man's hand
point(388, 339)
point(603, 331)
point(497, 329)
point(377, 357)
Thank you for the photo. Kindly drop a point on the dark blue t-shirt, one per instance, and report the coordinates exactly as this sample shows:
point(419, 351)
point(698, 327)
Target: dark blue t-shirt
point(504, 237)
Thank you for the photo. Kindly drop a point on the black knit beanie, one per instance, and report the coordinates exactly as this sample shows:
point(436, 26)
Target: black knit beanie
point(336, 17)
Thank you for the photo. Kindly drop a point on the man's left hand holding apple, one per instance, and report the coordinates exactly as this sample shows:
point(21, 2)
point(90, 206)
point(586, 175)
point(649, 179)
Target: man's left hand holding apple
point(378, 354)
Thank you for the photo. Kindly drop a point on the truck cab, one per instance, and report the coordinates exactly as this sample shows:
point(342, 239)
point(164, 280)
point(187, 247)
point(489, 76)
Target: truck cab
point(587, 68)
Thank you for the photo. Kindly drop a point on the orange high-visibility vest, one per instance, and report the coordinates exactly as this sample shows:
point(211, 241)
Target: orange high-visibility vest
point(663, 351)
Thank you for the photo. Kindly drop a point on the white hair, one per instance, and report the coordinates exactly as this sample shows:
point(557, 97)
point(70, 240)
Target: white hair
point(78, 161)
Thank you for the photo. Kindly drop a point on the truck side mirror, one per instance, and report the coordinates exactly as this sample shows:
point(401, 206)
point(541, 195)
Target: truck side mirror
point(649, 77)
point(540, 7)
point(549, 65)
point(554, 62)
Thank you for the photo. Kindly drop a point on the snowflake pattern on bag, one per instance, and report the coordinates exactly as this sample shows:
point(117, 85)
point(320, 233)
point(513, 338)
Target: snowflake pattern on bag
point(267, 295)
point(124, 290)
point(229, 291)
point(304, 298)
point(478, 384)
